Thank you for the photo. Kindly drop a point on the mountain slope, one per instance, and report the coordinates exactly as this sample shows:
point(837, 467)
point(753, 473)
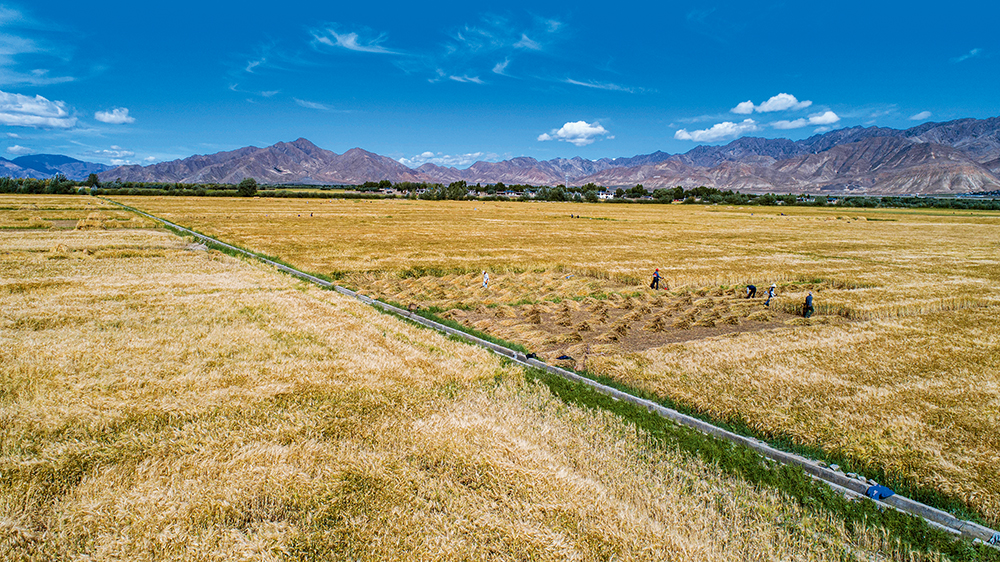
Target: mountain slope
point(932, 158)
point(296, 162)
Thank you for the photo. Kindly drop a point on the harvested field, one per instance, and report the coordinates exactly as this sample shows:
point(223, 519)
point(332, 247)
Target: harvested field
point(19, 212)
point(164, 402)
point(896, 372)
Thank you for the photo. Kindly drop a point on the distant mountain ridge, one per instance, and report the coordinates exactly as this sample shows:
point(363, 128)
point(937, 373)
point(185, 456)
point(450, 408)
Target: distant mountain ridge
point(933, 158)
point(42, 166)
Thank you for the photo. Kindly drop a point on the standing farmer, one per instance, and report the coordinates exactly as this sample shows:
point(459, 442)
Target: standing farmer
point(486, 279)
point(656, 280)
point(770, 294)
point(808, 309)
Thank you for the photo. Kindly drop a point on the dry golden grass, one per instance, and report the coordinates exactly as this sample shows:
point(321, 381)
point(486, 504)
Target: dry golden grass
point(921, 289)
point(19, 212)
point(163, 403)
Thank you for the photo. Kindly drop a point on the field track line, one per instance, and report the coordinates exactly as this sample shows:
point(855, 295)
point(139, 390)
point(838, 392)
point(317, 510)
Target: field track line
point(852, 488)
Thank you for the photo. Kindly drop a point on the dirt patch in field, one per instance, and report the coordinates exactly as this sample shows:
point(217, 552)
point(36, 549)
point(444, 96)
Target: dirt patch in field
point(625, 324)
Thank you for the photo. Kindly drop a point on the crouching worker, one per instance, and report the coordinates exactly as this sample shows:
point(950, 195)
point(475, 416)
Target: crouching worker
point(807, 309)
point(751, 291)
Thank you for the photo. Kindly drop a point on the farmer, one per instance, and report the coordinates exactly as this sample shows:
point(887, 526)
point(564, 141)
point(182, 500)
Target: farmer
point(751, 291)
point(486, 279)
point(656, 280)
point(808, 309)
point(770, 294)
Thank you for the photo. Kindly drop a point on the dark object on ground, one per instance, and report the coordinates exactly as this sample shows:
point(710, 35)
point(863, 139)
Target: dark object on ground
point(878, 492)
point(564, 358)
point(531, 356)
point(412, 307)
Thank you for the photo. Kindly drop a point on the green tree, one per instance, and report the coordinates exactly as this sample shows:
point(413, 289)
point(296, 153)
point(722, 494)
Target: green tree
point(247, 187)
point(92, 181)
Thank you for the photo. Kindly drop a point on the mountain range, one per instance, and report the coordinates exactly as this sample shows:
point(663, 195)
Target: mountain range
point(42, 166)
point(933, 158)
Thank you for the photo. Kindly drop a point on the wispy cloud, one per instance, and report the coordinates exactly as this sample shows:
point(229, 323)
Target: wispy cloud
point(719, 131)
point(601, 85)
point(526, 43)
point(920, 116)
point(451, 160)
point(116, 116)
point(971, 54)
point(254, 64)
point(23, 51)
point(501, 68)
point(352, 41)
point(579, 133)
point(38, 112)
point(466, 78)
point(311, 105)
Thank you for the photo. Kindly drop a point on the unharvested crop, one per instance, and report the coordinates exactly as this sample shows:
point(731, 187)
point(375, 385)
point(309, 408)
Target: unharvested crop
point(896, 372)
point(171, 403)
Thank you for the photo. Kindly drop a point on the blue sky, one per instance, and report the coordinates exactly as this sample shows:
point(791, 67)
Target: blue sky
point(126, 82)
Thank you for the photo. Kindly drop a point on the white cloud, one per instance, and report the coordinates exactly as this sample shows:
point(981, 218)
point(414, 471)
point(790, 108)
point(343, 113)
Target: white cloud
point(150, 159)
point(311, 104)
point(351, 42)
point(719, 131)
point(780, 102)
point(579, 133)
point(794, 124)
point(967, 56)
point(743, 108)
point(254, 64)
point(19, 150)
point(527, 43)
point(116, 116)
point(451, 160)
point(920, 116)
point(24, 111)
point(115, 152)
point(824, 118)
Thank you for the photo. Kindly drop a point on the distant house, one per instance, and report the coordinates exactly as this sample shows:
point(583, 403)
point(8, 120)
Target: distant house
point(511, 194)
point(602, 195)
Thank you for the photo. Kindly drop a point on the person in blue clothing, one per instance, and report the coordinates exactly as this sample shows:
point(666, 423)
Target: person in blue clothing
point(808, 309)
point(770, 294)
point(656, 280)
point(751, 291)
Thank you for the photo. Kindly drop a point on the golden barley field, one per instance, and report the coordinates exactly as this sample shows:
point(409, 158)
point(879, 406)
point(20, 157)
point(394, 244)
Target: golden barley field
point(162, 402)
point(898, 369)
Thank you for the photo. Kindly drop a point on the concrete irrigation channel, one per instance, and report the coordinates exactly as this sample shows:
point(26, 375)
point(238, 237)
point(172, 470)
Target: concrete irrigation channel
point(851, 486)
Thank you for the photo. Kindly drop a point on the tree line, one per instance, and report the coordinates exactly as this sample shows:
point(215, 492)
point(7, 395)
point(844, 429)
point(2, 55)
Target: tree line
point(461, 190)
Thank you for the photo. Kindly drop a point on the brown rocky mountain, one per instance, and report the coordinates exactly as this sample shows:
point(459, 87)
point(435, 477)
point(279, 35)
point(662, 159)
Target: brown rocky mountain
point(283, 163)
point(933, 158)
point(884, 165)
